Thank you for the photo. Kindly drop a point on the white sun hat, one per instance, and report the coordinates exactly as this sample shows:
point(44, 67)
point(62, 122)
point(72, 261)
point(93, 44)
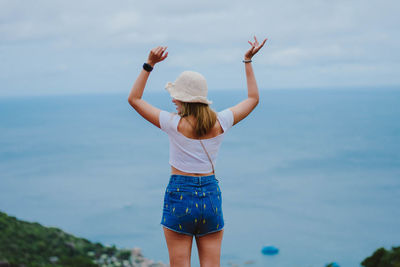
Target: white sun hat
point(190, 86)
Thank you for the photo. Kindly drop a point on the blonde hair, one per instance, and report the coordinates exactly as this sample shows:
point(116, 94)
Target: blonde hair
point(205, 116)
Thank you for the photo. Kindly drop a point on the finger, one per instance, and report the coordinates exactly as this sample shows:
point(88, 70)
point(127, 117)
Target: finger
point(251, 48)
point(159, 50)
point(159, 53)
point(154, 52)
point(262, 44)
point(165, 56)
point(163, 51)
point(256, 41)
point(250, 43)
point(258, 48)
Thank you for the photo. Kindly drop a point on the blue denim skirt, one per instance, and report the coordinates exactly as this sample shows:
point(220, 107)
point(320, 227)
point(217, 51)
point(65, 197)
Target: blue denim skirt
point(193, 205)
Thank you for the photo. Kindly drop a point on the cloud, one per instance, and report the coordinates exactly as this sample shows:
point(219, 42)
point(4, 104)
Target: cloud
point(101, 36)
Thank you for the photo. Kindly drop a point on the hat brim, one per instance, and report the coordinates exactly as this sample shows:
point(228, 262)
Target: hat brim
point(170, 87)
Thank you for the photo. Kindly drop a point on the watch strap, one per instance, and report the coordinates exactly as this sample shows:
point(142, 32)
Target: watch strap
point(147, 67)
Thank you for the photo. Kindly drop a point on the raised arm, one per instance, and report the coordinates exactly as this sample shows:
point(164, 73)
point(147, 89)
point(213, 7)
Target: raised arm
point(243, 109)
point(148, 111)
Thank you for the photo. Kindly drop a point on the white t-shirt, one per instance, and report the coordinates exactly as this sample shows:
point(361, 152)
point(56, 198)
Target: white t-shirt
point(187, 154)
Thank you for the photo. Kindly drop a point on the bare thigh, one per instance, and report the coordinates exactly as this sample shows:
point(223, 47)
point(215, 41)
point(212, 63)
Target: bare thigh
point(209, 247)
point(179, 248)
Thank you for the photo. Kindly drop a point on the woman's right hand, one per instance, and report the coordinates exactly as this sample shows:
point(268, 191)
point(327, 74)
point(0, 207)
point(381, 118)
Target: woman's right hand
point(254, 48)
point(156, 55)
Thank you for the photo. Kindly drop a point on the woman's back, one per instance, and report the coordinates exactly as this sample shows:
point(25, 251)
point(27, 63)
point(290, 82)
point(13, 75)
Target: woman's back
point(185, 127)
point(186, 153)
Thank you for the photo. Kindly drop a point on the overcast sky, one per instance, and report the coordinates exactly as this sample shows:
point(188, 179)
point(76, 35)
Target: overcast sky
point(57, 47)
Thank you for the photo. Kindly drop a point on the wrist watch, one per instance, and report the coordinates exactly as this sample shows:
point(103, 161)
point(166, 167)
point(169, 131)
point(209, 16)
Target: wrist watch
point(147, 67)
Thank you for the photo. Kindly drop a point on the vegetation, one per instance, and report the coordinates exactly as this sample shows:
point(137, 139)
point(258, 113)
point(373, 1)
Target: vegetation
point(383, 258)
point(33, 245)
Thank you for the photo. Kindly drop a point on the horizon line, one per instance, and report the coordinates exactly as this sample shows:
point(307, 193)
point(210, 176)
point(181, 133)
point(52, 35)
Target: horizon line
point(157, 91)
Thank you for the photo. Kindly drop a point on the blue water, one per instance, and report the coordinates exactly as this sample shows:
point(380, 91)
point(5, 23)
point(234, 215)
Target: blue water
point(315, 173)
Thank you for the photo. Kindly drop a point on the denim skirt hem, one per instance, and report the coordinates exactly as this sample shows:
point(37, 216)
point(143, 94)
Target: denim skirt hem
point(189, 234)
point(199, 235)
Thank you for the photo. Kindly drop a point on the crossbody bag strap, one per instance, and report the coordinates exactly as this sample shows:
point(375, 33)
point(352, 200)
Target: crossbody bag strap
point(209, 158)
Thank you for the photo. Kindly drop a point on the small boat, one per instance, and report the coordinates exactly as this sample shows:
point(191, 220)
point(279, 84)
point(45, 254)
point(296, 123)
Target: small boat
point(269, 250)
point(332, 264)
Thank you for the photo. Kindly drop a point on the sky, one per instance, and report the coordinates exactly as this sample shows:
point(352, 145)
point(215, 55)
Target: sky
point(74, 47)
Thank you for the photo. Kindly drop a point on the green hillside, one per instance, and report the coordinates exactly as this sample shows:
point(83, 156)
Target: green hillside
point(31, 244)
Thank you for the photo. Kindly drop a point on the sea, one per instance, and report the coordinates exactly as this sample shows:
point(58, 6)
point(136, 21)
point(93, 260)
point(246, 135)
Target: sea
point(312, 172)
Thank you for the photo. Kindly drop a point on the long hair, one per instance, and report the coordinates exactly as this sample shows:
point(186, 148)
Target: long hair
point(205, 116)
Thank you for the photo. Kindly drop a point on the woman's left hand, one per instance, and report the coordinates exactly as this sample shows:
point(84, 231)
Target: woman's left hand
point(156, 55)
point(254, 48)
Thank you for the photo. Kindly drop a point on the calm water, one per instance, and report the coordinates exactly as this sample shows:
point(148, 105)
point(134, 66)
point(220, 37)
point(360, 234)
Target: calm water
point(315, 173)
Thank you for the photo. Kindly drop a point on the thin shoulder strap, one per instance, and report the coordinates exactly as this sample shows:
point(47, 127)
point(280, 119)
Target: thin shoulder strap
point(209, 158)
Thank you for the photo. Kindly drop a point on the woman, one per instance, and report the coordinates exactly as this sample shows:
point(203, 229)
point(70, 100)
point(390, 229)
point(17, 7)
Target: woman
point(192, 201)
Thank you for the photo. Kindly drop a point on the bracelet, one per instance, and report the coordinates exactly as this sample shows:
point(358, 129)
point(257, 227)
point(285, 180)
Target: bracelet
point(147, 67)
point(247, 61)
